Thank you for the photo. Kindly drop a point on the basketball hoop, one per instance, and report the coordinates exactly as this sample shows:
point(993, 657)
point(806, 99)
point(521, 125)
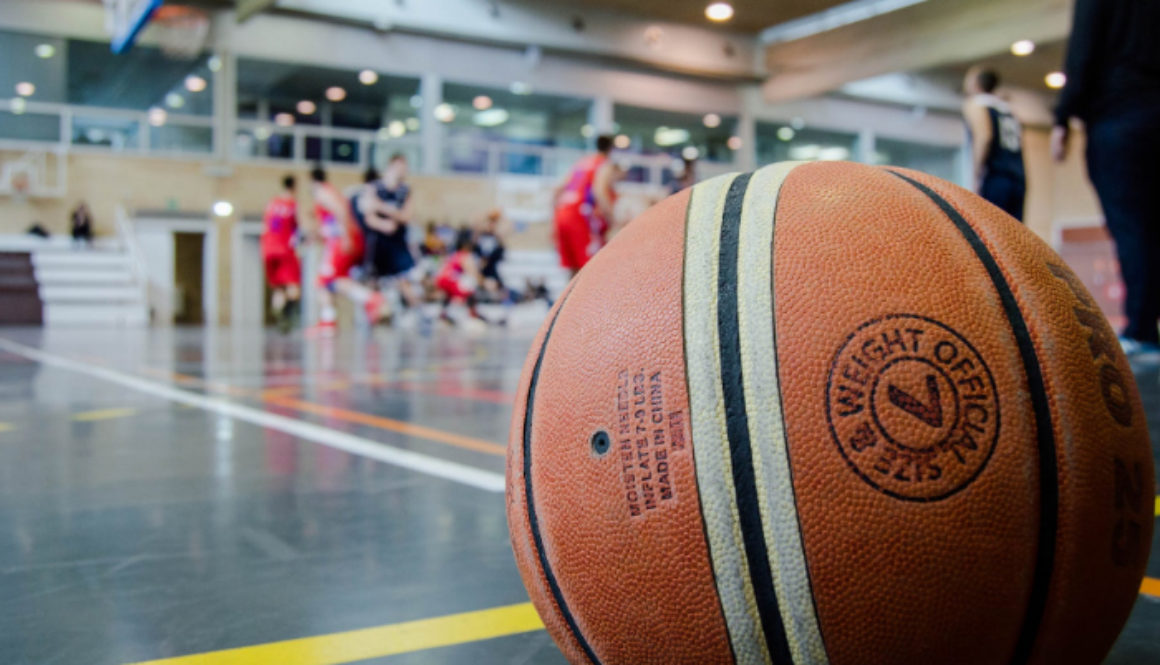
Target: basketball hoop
point(181, 31)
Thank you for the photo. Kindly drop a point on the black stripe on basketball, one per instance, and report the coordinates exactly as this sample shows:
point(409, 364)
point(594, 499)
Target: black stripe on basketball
point(737, 427)
point(1045, 437)
point(528, 497)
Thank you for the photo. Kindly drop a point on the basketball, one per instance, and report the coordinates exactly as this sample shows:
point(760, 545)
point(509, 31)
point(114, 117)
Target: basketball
point(829, 413)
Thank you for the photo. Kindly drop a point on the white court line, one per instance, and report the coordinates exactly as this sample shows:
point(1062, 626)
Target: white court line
point(357, 445)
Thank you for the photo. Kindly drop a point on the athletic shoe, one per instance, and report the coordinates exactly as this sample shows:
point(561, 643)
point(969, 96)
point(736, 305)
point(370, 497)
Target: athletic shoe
point(322, 329)
point(375, 308)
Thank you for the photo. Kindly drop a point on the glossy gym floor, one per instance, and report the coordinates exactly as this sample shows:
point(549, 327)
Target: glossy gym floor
point(243, 497)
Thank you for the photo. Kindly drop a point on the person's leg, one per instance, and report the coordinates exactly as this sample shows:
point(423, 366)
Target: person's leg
point(1004, 192)
point(1123, 167)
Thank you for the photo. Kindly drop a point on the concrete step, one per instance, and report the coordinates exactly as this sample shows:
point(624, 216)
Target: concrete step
point(96, 315)
point(81, 277)
point(90, 294)
point(81, 260)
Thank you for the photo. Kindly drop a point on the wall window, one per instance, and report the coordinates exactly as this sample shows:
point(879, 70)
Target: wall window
point(652, 132)
point(937, 160)
point(779, 143)
point(501, 130)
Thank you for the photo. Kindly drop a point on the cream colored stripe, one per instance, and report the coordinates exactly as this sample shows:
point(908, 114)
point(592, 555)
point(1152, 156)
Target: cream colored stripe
point(707, 407)
point(763, 406)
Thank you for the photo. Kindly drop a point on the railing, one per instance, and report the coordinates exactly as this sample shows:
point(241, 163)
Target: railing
point(128, 239)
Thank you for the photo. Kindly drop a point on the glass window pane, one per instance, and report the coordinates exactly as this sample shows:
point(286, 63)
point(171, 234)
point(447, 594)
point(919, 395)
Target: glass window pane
point(176, 138)
point(652, 131)
point(29, 126)
point(107, 132)
point(494, 114)
point(140, 79)
point(779, 143)
point(937, 160)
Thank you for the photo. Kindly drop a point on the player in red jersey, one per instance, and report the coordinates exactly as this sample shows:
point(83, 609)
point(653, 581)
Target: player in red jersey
point(283, 271)
point(459, 276)
point(582, 201)
point(343, 251)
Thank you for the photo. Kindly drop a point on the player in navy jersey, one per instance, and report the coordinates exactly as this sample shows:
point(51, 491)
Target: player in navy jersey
point(996, 143)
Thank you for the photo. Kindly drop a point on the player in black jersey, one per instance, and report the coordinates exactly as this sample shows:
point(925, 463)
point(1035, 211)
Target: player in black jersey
point(996, 143)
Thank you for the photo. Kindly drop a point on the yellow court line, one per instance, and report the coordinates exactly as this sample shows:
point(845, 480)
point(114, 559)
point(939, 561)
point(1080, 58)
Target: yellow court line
point(103, 414)
point(1150, 587)
point(389, 640)
point(1158, 506)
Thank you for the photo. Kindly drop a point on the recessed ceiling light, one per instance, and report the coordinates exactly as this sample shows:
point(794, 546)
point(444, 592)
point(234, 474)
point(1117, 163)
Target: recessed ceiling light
point(17, 105)
point(194, 83)
point(214, 63)
point(520, 88)
point(335, 94)
point(669, 136)
point(719, 11)
point(262, 132)
point(653, 36)
point(491, 117)
point(223, 208)
point(786, 133)
point(284, 119)
point(368, 77)
point(622, 141)
point(481, 102)
point(711, 120)
point(416, 101)
point(444, 112)
point(1055, 80)
point(306, 107)
point(25, 89)
point(412, 124)
point(1023, 47)
point(587, 131)
point(797, 122)
point(45, 51)
point(396, 128)
point(734, 143)
point(157, 116)
point(690, 153)
point(174, 100)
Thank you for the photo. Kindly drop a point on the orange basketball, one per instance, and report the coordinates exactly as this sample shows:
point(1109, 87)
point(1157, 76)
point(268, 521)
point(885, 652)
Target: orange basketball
point(829, 413)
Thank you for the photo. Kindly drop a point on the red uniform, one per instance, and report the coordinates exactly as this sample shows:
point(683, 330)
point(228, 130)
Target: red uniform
point(281, 223)
point(452, 278)
point(575, 215)
point(337, 262)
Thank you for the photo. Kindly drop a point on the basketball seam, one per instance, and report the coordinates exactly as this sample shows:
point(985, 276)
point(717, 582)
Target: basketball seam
point(1045, 435)
point(737, 425)
point(533, 523)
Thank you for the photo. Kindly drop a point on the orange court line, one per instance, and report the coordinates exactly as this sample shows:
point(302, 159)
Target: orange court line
point(399, 426)
point(1150, 587)
point(457, 392)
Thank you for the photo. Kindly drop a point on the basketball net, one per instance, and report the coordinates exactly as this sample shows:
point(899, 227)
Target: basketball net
point(181, 31)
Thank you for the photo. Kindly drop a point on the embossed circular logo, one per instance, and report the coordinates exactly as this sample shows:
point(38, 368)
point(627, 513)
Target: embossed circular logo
point(912, 407)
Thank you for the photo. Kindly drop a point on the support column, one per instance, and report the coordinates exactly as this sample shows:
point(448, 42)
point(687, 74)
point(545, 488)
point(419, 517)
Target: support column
point(601, 116)
point(866, 146)
point(225, 106)
point(431, 130)
point(745, 158)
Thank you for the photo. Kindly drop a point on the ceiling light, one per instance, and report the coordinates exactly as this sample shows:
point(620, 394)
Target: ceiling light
point(491, 117)
point(834, 153)
point(711, 120)
point(284, 119)
point(262, 132)
point(719, 11)
point(25, 89)
point(669, 136)
point(520, 88)
point(96, 135)
point(416, 101)
point(587, 131)
point(805, 152)
point(306, 107)
point(690, 153)
point(734, 143)
point(383, 134)
point(194, 83)
point(45, 51)
point(653, 35)
point(1023, 47)
point(214, 63)
point(481, 102)
point(396, 128)
point(174, 100)
point(444, 112)
point(17, 105)
point(786, 133)
point(797, 122)
point(1056, 80)
point(621, 141)
point(368, 77)
point(157, 116)
point(412, 124)
point(223, 208)
point(335, 94)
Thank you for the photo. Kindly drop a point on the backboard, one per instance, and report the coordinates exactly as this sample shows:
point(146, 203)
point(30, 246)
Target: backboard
point(124, 20)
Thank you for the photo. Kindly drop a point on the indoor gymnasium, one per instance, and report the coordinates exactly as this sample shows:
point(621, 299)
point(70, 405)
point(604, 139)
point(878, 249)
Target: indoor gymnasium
point(603, 332)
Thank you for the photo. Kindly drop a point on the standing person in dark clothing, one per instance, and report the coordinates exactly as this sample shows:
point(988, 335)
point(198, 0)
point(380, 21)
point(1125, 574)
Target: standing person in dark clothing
point(1113, 85)
point(386, 208)
point(996, 143)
